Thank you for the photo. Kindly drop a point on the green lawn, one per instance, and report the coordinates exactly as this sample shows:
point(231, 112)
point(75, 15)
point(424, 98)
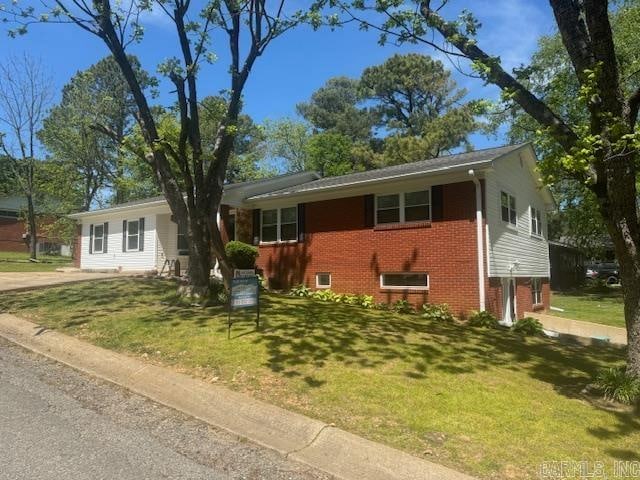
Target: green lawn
point(489, 403)
point(19, 262)
point(602, 305)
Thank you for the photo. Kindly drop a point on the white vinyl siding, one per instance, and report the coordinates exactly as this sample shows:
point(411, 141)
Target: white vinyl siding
point(512, 250)
point(114, 257)
point(168, 242)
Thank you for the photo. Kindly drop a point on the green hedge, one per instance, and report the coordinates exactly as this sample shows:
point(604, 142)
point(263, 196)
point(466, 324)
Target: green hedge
point(241, 255)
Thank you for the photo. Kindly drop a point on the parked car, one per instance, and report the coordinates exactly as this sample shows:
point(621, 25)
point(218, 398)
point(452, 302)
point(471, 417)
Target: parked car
point(607, 271)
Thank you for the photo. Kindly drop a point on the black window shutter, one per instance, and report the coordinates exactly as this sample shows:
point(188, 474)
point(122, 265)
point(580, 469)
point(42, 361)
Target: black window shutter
point(436, 203)
point(256, 226)
point(124, 235)
point(106, 237)
point(91, 238)
point(141, 234)
point(301, 222)
point(369, 212)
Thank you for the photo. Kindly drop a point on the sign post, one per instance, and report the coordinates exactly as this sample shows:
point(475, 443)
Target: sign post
point(245, 293)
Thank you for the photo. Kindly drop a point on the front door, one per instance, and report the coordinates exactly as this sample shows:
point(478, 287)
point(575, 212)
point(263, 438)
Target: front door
point(509, 301)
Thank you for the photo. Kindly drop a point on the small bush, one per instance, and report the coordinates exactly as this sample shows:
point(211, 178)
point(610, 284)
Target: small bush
point(382, 306)
point(402, 306)
point(483, 319)
point(241, 255)
point(439, 312)
point(366, 301)
point(300, 291)
point(616, 385)
point(528, 326)
point(326, 295)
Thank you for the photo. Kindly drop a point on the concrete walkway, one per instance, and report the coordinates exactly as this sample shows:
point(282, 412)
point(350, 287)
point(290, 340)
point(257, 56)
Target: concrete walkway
point(11, 281)
point(297, 437)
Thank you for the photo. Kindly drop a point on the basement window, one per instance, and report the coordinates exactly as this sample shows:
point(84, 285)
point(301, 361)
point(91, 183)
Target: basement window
point(405, 281)
point(323, 280)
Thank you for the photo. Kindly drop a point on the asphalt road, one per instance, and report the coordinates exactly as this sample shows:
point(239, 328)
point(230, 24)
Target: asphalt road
point(57, 423)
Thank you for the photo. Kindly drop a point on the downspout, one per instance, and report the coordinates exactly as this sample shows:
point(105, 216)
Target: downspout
point(479, 237)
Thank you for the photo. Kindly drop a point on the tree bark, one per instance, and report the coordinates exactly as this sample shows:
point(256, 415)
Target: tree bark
point(619, 208)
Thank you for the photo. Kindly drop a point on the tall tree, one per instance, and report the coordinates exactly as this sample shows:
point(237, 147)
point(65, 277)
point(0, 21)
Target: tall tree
point(550, 76)
point(336, 107)
point(411, 91)
point(90, 161)
point(286, 144)
point(602, 152)
point(191, 181)
point(25, 95)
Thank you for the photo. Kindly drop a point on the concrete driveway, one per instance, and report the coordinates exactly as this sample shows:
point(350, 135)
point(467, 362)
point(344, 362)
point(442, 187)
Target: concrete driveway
point(27, 280)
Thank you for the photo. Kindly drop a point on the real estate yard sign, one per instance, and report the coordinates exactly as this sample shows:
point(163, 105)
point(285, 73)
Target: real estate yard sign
point(245, 293)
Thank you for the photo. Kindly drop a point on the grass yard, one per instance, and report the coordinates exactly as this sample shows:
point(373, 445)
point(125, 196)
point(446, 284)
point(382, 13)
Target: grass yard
point(603, 305)
point(19, 262)
point(489, 403)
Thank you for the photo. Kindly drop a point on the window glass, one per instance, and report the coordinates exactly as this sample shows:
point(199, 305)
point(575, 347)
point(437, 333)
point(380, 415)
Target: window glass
point(183, 245)
point(410, 280)
point(132, 235)
point(536, 291)
point(323, 279)
point(269, 225)
point(508, 208)
point(98, 238)
point(388, 210)
point(289, 223)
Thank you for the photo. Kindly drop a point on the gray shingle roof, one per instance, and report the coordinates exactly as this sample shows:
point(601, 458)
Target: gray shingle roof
point(433, 165)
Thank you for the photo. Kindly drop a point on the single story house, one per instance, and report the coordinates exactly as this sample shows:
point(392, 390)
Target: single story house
point(468, 230)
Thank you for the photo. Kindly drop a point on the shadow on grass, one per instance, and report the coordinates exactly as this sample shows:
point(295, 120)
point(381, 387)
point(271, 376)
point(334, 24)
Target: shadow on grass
point(302, 332)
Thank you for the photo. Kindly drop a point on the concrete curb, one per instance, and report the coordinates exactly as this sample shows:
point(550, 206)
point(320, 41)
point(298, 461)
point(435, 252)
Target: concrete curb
point(300, 438)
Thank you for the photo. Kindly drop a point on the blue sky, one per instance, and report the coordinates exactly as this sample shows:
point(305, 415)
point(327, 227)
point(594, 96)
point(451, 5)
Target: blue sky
point(302, 60)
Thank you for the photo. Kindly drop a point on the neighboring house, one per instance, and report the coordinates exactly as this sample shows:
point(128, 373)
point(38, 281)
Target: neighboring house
point(468, 230)
point(567, 266)
point(14, 230)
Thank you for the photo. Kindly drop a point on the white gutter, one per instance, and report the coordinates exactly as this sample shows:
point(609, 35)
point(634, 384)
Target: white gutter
point(479, 237)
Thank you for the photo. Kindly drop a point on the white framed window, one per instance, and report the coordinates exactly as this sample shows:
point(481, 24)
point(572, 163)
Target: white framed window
point(182, 242)
point(405, 281)
point(536, 221)
point(536, 291)
point(323, 280)
point(508, 208)
point(279, 225)
point(133, 235)
point(403, 207)
point(98, 238)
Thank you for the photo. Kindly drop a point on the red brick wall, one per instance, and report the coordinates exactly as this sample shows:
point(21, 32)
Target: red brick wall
point(523, 296)
point(11, 230)
point(338, 242)
point(77, 247)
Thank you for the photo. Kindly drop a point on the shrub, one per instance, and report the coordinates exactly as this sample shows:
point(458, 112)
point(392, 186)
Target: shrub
point(483, 319)
point(440, 312)
point(366, 301)
point(615, 384)
point(402, 306)
point(300, 291)
point(528, 326)
point(241, 255)
point(381, 306)
point(325, 295)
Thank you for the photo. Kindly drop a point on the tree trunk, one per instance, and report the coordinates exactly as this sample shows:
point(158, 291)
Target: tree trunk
point(200, 259)
point(620, 211)
point(31, 220)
